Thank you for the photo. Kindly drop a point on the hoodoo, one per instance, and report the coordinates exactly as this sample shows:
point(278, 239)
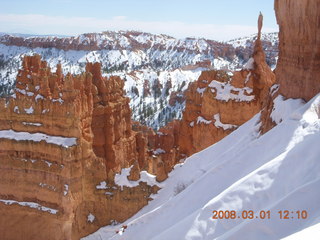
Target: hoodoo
point(62, 141)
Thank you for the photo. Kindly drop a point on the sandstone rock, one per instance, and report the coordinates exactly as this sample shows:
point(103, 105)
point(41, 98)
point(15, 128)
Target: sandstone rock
point(161, 172)
point(62, 140)
point(135, 172)
point(298, 68)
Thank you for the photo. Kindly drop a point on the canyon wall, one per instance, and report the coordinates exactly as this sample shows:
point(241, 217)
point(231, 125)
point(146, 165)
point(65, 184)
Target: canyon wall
point(298, 69)
point(62, 141)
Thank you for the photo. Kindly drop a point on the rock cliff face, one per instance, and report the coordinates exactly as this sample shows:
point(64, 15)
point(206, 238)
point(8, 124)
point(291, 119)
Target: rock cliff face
point(299, 56)
point(62, 139)
point(298, 68)
point(113, 138)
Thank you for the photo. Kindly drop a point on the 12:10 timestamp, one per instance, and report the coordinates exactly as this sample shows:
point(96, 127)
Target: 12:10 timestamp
point(250, 214)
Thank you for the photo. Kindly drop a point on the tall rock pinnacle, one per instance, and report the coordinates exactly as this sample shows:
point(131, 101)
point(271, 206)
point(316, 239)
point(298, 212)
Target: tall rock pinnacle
point(260, 22)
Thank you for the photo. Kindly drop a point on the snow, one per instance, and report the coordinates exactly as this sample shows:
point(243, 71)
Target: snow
point(24, 92)
point(159, 151)
point(37, 137)
point(102, 185)
point(283, 108)
point(310, 233)
point(247, 78)
point(29, 110)
point(60, 100)
point(90, 218)
point(244, 41)
point(48, 163)
point(160, 58)
point(179, 81)
point(30, 205)
point(32, 124)
point(66, 189)
point(274, 88)
point(39, 96)
point(122, 179)
point(201, 90)
point(16, 109)
point(225, 92)
point(202, 120)
point(219, 124)
point(279, 170)
point(250, 64)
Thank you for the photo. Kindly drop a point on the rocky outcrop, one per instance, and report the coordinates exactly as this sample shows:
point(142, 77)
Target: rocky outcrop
point(113, 139)
point(62, 140)
point(216, 104)
point(298, 69)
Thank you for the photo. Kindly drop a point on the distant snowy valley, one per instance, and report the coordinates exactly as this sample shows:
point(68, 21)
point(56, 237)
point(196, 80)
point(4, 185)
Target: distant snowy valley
point(157, 69)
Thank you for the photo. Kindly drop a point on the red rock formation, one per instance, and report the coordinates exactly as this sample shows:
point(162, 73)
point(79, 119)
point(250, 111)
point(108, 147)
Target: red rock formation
point(111, 123)
point(298, 68)
point(62, 139)
point(216, 104)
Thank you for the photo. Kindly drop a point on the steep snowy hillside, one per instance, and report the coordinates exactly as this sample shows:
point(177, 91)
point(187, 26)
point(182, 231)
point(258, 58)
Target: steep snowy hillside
point(245, 45)
point(158, 67)
point(158, 97)
point(244, 172)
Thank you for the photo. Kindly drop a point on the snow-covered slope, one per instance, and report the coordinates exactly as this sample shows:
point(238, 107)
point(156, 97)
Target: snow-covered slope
point(310, 233)
point(247, 41)
point(245, 171)
point(244, 46)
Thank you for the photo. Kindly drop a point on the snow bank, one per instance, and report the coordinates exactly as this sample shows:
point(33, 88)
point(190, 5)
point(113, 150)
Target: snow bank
point(202, 120)
point(29, 110)
point(159, 151)
point(310, 233)
point(32, 124)
point(38, 137)
point(226, 92)
point(282, 109)
point(279, 170)
point(219, 124)
point(102, 185)
point(30, 205)
point(122, 179)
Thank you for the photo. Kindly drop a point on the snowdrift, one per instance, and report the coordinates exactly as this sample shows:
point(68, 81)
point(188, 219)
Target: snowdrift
point(245, 171)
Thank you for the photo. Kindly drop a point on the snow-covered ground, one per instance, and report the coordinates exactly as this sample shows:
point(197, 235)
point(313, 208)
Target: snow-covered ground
point(310, 233)
point(245, 171)
point(246, 41)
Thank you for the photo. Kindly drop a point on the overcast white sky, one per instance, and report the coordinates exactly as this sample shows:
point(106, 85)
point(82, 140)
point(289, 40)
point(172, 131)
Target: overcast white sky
point(212, 19)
